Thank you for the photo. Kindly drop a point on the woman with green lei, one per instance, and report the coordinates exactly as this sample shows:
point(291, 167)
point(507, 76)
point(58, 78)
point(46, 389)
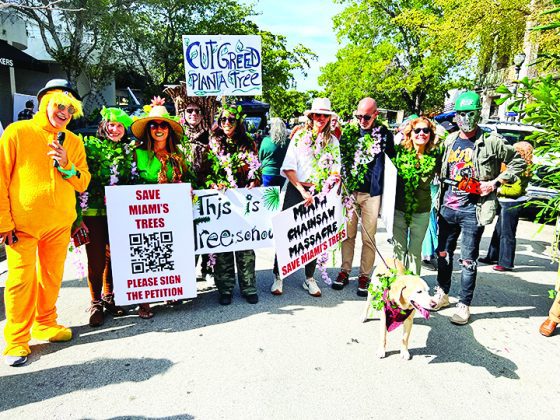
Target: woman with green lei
point(157, 157)
point(235, 165)
point(417, 161)
point(110, 159)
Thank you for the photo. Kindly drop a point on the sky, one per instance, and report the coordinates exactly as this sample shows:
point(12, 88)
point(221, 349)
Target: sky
point(307, 22)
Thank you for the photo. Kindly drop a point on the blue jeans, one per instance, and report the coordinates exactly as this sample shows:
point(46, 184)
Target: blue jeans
point(502, 245)
point(451, 224)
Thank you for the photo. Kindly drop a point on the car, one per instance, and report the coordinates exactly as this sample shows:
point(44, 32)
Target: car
point(510, 130)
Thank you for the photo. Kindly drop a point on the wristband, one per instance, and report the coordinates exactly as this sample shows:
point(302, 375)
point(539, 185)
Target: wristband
point(67, 173)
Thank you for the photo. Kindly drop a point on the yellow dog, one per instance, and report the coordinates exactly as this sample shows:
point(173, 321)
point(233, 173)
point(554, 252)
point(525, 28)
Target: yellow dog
point(406, 294)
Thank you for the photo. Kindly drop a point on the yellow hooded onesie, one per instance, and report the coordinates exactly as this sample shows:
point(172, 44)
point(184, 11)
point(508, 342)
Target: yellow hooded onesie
point(39, 204)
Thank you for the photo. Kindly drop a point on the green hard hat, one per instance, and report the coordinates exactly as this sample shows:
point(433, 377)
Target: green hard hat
point(468, 101)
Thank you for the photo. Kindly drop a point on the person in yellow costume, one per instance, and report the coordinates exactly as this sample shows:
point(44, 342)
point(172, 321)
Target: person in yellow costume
point(38, 180)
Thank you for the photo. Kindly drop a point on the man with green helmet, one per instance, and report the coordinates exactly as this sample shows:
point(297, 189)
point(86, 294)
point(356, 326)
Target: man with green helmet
point(470, 176)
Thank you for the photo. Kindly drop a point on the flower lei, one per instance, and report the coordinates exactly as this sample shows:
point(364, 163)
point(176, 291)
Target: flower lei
point(109, 164)
point(412, 168)
point(355, 150)
point(323, 159)
point(225, 165)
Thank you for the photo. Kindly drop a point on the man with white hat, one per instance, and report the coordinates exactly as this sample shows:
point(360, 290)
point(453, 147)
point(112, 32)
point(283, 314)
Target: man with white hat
point(363, 149)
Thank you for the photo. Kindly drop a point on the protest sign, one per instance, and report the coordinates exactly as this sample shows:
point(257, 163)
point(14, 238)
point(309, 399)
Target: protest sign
point(152, 250)
point(218, 65)
point(235, 220)
point(302, 233)
point(387, 212)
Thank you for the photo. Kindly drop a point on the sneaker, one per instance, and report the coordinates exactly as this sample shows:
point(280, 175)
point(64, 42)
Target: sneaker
point(461, 317)
point(276, 288)
point(440, 299)
point(311, 286)
point(486, 260)
point(363, 283)
point(96, 313)
point(501, 268)
point(341, 281)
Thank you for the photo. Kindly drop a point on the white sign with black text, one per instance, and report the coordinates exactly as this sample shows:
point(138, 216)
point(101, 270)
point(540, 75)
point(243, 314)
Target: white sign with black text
point(303, 233)
point(235, 219)
point(152, 249)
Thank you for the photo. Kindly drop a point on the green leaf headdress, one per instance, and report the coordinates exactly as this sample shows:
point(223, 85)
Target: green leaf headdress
point(236, 111)
point(116, 115)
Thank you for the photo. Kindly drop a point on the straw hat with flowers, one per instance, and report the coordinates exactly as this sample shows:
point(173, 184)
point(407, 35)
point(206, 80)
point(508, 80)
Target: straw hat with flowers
point(155, 112)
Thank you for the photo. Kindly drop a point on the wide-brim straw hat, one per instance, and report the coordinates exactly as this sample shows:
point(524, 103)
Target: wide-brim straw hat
point(157, 113)
point(320, 106)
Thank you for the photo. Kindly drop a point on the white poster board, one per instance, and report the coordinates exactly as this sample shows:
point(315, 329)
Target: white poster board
point(387, 212)
point(218, 65)
point(235, 220)
point(302, 233)
point(152, 251)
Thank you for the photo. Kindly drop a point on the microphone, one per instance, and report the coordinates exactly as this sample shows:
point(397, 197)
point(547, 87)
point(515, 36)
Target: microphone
point(61, 135)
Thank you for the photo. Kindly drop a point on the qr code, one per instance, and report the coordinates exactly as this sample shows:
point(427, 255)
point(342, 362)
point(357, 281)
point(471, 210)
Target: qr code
point(151, 252)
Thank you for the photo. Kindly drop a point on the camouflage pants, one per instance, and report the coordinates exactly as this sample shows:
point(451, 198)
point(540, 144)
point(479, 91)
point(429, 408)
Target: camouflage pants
point(224, 272)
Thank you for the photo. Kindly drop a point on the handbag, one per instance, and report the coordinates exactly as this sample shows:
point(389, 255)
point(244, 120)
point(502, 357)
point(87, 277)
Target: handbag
point(513, 190)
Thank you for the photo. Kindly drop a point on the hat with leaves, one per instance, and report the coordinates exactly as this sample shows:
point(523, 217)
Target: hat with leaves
point(116, 115)
point(156, 111)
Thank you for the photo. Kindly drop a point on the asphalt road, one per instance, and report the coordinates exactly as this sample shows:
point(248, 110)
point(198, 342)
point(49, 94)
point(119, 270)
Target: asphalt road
point(299, 357)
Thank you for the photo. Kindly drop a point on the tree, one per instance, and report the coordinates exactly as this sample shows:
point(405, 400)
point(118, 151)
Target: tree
point(392, 55)
point(151, 41)
point(290, 103)
point(77, 34)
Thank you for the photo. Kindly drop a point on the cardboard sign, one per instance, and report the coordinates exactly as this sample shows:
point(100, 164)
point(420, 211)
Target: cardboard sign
point(387, 212)
point(152, 251)
point(302, 233)
point(218, 65)
point(235, 220)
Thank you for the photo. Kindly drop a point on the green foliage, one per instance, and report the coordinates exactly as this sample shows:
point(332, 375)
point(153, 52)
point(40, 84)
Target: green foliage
point(412, 169)
point(288, 104)
point(78, 34)
point(538, 102)
point(272, 198)
point(392, 54)
point(109, 163)
point(377, 290)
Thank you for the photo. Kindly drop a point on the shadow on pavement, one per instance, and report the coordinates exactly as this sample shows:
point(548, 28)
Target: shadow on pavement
point(50, 383)
point(177, 417)
point(500, 290)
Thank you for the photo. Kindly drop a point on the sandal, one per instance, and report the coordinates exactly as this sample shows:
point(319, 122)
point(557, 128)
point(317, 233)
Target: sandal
point(109, 304)
point(144, 311)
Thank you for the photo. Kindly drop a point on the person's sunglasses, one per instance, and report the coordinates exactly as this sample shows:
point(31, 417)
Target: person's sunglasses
point(363, 117)
point(71, 109)
point(192, 111)
point(467, 113)
point(424, 130)
point(161, 125)
point(230, 120)
point(320, 116)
